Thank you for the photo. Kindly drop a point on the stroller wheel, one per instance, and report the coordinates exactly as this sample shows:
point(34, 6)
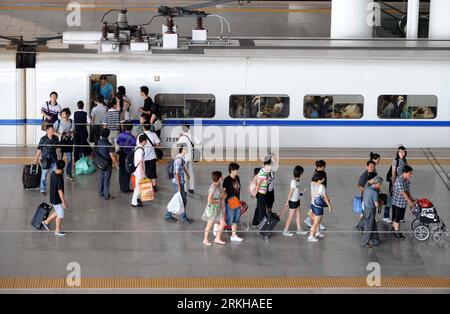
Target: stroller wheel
point(437, 236)
point(415, 223)
point(421, 233)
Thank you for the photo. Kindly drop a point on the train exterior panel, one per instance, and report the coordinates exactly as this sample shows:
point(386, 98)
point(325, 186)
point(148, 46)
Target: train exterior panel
point(223, 76)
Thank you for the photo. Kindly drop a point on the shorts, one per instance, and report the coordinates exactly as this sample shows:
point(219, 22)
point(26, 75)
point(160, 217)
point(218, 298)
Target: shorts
point(318, 211)
point(294, 205)
point(270, 198)
point(398, 213)
point(150, 169)
point(232, 216)
point(59, 210)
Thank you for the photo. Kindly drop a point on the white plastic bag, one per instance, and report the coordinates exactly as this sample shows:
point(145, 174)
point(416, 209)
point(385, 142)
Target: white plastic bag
point(176, 205)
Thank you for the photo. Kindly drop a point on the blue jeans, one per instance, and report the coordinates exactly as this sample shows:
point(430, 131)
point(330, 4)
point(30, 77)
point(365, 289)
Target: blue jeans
point(183, 216)
point(104, 181)
point(43, 184)
point(232, 215)
point(69, 163)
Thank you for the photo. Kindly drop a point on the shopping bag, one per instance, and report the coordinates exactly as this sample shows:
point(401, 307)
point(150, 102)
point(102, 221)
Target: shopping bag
point(84, 166)
point(133, 181)
point(357, 205)
point(146, 189)
point(176, 205)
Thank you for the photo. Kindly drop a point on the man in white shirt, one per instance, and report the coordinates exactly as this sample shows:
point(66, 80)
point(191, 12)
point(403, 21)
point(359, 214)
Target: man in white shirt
point(139, 173)
point(187, 139)
point(150, 154)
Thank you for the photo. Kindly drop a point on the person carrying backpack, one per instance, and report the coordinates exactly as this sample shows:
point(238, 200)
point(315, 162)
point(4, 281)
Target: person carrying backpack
point(126, 141)
point(395, 170)
point(139, 172)
point(150, 154)
point(178, 171)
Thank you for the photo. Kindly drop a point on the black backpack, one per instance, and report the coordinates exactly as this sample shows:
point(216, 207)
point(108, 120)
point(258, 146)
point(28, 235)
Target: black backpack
point(389, 173)
point(129, 161)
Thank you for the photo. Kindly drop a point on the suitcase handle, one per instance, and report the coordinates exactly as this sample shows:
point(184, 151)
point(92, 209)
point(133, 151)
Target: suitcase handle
point(31, 168)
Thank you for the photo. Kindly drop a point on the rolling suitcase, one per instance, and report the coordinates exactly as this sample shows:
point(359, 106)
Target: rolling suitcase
point(268, 223)
point(41, 214)
point(31, 176)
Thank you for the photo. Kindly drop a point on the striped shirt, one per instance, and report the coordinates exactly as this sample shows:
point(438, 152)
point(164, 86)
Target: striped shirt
point(51, 110)
point(263, 175)
point(112, 119)
point(400, 185)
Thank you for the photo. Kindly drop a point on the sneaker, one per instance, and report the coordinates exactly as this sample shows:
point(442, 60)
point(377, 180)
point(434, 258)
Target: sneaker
point(60, 234)
point(254, 226)
point(387, 220)
point(191, 191)
point(236, 239)
point(44, 194)
point(307, 221)
point(288, 234)
point(137, 205)
point(171, 218)
point(301, 232)
point(312, 239)
point(70, 178)
point(322, 227)
point(215, 228)
point(45, 226)
point(320, 235)
point(403, 220)
point(399, 236)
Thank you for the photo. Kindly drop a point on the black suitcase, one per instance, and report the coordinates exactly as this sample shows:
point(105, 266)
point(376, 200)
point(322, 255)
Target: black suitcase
point(268, 223)
point(31, 176)
point(41, 214)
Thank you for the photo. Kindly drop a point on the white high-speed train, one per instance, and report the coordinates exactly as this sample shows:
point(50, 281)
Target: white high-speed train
point(291, 93)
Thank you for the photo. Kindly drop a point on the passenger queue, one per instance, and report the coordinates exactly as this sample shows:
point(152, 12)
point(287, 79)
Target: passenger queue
point(136, 154)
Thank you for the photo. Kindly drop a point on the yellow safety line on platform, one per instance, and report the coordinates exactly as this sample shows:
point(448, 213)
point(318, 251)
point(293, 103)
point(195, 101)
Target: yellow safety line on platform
point(304, 161)
point(222, 282)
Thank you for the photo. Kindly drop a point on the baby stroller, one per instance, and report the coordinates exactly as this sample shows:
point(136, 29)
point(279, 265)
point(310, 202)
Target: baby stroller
point(427, 221)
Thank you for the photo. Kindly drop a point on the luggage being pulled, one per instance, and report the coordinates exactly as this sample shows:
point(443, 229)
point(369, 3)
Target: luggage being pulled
point(31, 176)
point(268, 223)
point(41, 214)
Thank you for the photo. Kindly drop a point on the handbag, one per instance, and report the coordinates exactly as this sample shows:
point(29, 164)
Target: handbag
point(157, 125)
point(319, 201)
point(196, 155)
point(100, 162)
point(45, 122)
point(234, 203)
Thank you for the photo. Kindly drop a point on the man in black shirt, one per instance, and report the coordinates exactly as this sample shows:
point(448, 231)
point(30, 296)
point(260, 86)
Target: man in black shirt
point(148, 102)
point(48, 152)
point(365, 175)
point(57, 198)
point(106, 151)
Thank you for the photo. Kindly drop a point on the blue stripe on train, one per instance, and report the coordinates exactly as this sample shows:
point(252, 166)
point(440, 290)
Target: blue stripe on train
point(291, 123)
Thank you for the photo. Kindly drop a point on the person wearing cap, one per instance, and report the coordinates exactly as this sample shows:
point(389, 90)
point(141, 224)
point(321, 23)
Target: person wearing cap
point(371, 203)
point(102, 87)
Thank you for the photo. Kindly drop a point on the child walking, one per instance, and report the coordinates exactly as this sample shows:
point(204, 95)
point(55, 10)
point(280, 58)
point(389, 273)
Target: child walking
point(293, 203)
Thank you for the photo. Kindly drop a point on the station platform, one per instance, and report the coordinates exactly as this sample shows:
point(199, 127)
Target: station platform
point(121, 248)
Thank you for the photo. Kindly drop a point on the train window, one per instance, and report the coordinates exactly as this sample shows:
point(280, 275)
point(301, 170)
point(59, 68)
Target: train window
point(259, 106)
point(102, 84)
point(407, 107)
point(333, 106)
point(186, 105)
